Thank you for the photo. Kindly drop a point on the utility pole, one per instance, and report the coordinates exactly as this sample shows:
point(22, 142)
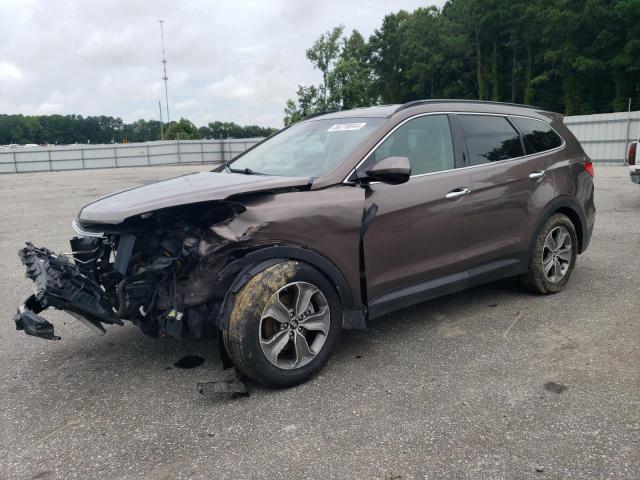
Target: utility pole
point(626, 145)
point(161, 127)
point(164, 69)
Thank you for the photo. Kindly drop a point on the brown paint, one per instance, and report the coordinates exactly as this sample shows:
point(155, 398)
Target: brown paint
point(419, 243)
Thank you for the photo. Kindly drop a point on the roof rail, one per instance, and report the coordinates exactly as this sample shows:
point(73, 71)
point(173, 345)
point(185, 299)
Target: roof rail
point(415, 103)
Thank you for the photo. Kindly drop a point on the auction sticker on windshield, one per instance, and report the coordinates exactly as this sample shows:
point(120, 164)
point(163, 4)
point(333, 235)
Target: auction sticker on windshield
point(344, 127)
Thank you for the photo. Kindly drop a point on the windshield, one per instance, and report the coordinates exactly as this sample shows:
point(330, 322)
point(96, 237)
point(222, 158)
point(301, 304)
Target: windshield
point(307, 149)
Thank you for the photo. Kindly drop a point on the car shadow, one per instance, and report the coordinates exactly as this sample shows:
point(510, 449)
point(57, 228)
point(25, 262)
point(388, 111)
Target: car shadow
point(431, 313)
point(127, 354)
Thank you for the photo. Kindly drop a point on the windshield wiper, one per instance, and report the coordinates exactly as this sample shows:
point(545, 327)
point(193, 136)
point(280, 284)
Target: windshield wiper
point(246, 171)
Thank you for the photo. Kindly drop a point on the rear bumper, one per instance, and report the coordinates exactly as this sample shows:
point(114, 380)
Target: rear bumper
point(635, 177)
point(60, 284)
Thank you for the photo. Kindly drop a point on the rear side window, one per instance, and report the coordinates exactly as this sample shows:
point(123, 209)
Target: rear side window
point(490, 138)
point(537, 135)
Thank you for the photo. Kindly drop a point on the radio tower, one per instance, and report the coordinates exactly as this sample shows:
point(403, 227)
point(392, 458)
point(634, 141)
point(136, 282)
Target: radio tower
point(164, 68)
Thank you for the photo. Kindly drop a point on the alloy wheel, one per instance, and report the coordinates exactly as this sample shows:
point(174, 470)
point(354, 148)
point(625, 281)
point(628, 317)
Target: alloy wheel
point(557, 254)
point(294, 325)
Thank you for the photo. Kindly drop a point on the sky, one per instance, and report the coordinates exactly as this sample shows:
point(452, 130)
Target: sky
point(227, 60)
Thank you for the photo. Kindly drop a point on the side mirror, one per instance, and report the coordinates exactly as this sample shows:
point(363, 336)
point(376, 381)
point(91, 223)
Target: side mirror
point(391, 170)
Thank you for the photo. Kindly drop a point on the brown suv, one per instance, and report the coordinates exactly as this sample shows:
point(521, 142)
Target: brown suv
point(338, 219)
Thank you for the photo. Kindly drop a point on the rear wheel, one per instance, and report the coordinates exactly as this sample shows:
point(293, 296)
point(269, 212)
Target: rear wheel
point(284, 324)
point(553, 257)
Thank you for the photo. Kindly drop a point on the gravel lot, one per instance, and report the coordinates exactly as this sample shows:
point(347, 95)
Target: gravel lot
point(489, 383)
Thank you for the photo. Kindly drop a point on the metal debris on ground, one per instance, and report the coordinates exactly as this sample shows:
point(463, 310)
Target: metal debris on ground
point(231, 385)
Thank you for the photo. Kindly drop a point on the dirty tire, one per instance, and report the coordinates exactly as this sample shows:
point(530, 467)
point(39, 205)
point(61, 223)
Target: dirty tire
point(535, 279)
point(242, 337)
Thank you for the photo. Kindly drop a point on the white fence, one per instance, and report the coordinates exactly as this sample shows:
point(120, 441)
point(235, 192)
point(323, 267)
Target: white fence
point(605, 137)
point(75, 157)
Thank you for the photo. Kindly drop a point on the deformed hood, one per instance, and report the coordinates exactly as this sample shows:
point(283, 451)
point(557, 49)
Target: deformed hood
point(193, 188)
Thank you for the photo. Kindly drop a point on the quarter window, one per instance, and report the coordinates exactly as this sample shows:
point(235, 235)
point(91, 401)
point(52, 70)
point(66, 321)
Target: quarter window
point(425, 141)
point(537, 135)
point(490, 138)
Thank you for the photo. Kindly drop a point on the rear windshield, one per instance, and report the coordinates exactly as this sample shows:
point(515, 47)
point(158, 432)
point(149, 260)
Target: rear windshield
point(308, 149)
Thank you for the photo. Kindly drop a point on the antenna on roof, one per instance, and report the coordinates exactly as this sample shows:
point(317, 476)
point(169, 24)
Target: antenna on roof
point(164, 68)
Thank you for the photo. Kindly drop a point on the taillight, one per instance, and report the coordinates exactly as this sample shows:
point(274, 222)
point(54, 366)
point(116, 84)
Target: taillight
point(632, 153)
point(588, 167)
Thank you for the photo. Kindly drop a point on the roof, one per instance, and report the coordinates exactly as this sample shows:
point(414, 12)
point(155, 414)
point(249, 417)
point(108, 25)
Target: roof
point(416, 103)
point(386, 111)
point(381, 111)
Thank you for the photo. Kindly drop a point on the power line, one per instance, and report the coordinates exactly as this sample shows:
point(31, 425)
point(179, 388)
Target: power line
point(164, 68)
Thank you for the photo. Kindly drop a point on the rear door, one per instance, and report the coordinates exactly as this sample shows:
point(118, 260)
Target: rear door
point(510, 187)
point(420, 229)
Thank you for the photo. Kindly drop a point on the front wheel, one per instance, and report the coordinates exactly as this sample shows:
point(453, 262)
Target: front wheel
point(284, 325)
point(554, 256)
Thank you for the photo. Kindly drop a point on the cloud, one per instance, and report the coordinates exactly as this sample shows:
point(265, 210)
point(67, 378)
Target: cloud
point(56, 102)
point(235, 60)
point(47, 108)
point(10, 73)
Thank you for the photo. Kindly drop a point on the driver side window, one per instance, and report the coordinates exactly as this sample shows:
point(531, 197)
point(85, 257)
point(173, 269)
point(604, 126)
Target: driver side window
point(425, 141)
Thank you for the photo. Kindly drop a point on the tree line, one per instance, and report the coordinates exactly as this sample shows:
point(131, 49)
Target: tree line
point(569, 56)
point(68, 129)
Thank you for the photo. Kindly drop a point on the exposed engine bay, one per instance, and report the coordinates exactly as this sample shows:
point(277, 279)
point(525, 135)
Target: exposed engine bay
point(170, 256)
point(166, 271)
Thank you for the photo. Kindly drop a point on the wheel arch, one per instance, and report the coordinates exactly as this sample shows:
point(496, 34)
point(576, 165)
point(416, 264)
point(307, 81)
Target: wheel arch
point(577, 222)
point(566, 206)
point(262, 258)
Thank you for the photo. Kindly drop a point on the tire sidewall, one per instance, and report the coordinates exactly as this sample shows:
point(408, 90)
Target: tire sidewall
point(536, 273)
point(262, 367)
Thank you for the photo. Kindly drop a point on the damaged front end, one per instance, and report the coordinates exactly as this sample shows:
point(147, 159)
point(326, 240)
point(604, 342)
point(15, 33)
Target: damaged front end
point(60, 284)
point(166, 271)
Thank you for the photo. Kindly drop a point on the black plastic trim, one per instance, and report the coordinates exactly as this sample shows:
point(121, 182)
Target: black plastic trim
point(520, 135)
point(455, 282)
point(123, 254)
point(460, 151)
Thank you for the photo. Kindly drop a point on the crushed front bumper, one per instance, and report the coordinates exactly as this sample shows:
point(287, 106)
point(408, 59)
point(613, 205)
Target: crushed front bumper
point(60, 284)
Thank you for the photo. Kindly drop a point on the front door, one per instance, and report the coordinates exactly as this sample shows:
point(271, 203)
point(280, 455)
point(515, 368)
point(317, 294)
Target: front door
point(420, 229)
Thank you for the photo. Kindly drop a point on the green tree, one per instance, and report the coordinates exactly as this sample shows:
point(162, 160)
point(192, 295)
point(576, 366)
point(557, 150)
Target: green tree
point(572, 56)
point(306, 104)
point(350, 82)
point(233, 130)
point(183, 129)
point(388, 59)
point(626, 60)
point(323, 54)
point(59, 129)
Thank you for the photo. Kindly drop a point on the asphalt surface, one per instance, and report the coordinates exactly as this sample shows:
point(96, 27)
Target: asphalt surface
point(490, 383)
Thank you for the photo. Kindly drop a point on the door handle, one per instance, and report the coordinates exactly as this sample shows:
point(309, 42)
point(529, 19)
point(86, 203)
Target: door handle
point(537, 174)
point(457, 193)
